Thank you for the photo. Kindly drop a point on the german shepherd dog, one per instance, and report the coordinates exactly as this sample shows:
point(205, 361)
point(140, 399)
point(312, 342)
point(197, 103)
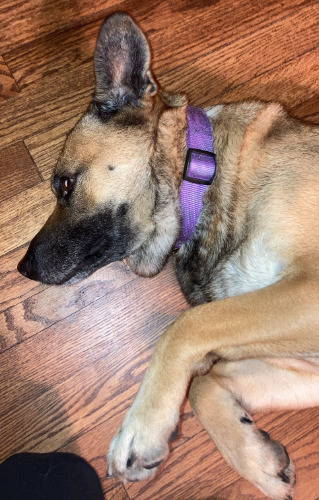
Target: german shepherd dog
point(250, 267)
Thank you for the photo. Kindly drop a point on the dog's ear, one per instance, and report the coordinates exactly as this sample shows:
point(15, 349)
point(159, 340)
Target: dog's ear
point(122, 65)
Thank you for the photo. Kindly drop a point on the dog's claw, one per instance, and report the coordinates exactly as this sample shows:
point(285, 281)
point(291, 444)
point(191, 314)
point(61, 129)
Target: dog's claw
point(153, 465)
point(174, 435)
point(130, 461)
point(265, 434)
point(284, 477)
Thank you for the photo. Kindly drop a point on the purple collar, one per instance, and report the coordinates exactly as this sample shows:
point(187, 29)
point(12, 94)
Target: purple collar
point(199, 170)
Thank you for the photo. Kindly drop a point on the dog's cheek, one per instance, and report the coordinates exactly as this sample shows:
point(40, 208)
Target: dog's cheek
point(103, 238)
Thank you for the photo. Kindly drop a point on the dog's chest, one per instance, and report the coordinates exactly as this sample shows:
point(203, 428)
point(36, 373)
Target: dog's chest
point(252, 265)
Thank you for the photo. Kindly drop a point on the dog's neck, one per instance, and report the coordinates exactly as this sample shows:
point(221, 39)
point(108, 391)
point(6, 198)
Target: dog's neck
point(199, 170)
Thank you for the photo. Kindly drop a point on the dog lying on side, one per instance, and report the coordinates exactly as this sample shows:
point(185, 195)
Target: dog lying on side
point(250, 266)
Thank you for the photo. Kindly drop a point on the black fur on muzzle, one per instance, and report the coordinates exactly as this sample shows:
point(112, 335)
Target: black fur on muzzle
point(66, 250)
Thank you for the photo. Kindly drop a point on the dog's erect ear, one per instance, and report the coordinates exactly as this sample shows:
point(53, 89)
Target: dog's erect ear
point(122, 65)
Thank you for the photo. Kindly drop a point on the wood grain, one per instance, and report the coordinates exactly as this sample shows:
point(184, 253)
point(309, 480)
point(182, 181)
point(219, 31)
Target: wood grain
point(34, 314)
point(293, 84)
point(72, 357)
point(84, 369)
point(8, 86)
point(17, 171)
point(209, 76)
point(50, 56)
point(23, 216)
point(45, 147)
point(63, 94)
point(22, 22)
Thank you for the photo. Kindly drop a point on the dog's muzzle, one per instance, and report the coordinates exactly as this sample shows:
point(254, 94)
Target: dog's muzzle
point(64, 251)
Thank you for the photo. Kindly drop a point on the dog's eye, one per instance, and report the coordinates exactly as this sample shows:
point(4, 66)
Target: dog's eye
point(63, 186)
point(67, 184)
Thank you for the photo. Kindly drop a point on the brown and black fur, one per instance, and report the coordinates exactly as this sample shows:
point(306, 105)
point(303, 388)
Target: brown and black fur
point(250, 267)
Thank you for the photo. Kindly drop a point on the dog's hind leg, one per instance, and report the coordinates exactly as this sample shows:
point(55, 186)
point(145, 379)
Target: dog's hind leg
point(223, 401)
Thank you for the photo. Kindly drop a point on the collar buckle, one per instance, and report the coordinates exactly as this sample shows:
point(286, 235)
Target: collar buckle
point(199, 166)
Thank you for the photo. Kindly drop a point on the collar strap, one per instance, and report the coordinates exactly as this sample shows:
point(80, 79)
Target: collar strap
point(199, 170)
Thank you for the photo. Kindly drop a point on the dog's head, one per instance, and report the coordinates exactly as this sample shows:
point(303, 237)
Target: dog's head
point(116, 182)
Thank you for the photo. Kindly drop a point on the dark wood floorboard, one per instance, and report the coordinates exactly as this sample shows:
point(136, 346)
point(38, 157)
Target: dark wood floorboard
point(8, 86)
point(72, 357)
point(17, 171)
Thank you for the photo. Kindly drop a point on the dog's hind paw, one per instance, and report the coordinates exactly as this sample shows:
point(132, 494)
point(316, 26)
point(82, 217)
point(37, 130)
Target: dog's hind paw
point(273, 472)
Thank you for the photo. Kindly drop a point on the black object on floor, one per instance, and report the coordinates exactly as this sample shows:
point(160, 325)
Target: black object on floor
point(48, 476)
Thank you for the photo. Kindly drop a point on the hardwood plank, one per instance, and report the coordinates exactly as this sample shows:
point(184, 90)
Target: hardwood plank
point(17, 171)
point(45, 147)
point(50, 104)
point(82, 371)
point(53, 100)
point(22, 22)
point(21, 218)
point(171, 43)
point(8, 86)
point(293, 84)
point(36, 313)
point(13, 286)
point(129, 311)
point(61, 412)
point(248, 57)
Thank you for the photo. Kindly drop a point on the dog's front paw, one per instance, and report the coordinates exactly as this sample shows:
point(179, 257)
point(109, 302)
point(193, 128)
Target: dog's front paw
point(138, 449)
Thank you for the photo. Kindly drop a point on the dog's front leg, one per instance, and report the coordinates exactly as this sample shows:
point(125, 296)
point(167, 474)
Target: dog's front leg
point(141, 443)
point(281, 320)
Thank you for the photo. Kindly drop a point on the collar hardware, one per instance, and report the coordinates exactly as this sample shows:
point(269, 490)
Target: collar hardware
point(201, 156)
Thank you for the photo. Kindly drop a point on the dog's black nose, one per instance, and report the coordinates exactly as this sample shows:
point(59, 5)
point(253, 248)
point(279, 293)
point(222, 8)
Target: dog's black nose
point(27, 268)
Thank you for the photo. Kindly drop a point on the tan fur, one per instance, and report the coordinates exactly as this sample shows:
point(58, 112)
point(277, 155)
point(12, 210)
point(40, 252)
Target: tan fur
point(240, 334)
point(265, 339)
point(251, 266)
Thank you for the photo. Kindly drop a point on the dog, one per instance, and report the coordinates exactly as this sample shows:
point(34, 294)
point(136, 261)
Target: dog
point(250, 265)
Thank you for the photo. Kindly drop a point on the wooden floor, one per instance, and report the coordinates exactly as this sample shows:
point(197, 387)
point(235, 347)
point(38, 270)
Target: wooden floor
point(72, 357)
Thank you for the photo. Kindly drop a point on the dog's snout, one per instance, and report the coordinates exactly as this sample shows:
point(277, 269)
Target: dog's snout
point(27, 267)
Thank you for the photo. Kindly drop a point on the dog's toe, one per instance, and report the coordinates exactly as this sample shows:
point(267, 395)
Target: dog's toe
point(277, 476)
